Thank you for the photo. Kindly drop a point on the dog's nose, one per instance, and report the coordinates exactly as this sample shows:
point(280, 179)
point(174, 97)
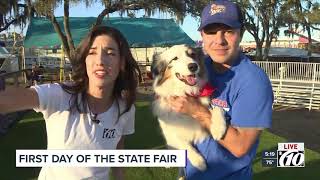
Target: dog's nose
point(193, 67)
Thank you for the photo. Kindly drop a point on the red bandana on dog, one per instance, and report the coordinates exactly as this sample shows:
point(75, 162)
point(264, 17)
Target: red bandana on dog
point(207, 90)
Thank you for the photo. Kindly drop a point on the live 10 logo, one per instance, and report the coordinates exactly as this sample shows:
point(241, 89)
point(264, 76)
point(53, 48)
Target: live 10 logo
point(290, 155)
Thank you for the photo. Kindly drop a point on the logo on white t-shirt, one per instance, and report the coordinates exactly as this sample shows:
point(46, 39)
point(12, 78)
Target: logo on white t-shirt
point(109, 133)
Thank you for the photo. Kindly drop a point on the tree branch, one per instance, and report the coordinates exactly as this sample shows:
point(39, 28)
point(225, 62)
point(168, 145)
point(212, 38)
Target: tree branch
point(251, 27)
point(7, 25)
point(58, 30)
point(315, 28)
point(67, 26)
point(117, 7)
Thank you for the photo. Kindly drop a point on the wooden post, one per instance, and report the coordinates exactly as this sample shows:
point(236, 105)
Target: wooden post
point(62, 64)
point(23, 64)
point(146, 55)
point(313, 84)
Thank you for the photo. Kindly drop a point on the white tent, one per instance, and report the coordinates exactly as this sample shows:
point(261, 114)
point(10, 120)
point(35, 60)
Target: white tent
point(287, 52)
point(4, 52)
point(290, 52)
point(10, 62)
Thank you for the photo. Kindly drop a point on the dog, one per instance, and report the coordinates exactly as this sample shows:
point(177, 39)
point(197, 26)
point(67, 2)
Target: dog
point(178, 71)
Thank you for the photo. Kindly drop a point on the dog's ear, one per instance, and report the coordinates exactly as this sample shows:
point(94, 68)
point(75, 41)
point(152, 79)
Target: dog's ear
point(158, 67)
point(198, 53)
point(195, 53)
point(200, 56)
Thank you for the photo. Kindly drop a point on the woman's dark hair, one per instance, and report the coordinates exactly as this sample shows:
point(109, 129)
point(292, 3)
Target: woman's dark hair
point(126, 82)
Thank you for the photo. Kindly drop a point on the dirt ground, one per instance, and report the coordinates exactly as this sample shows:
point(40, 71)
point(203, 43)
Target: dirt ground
point(296, 125)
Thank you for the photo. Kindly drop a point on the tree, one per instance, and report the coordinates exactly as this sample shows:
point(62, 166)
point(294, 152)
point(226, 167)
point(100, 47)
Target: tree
point(263, 19)
point(13, 13)
point(305, 13)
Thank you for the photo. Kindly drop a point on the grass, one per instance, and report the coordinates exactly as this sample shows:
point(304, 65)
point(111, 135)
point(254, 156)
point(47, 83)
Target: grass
point(30, 134)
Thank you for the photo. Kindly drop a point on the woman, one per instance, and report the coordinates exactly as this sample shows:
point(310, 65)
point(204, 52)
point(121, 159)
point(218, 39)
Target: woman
point(95, 111)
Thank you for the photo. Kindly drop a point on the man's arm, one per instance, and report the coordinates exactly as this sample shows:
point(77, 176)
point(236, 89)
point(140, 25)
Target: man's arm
point(237, 140)
point(240, 140)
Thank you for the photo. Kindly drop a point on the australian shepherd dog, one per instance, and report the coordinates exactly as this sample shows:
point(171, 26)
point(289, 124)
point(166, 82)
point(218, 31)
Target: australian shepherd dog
point(180, 71)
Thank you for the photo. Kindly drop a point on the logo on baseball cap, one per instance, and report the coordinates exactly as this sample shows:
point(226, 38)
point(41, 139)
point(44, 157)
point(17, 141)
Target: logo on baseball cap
point(222, 12)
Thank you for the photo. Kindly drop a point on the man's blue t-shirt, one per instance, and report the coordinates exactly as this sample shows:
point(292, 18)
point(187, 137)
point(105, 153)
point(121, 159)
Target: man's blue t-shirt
point(245, 93)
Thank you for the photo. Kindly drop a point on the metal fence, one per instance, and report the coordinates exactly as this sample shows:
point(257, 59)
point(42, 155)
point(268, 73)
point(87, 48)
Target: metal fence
point(294, 84)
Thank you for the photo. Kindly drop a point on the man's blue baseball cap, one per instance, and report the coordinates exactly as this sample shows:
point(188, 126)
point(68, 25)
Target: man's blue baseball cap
point(222, 12)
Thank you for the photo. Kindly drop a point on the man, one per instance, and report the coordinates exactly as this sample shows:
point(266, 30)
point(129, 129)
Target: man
point(243, 91)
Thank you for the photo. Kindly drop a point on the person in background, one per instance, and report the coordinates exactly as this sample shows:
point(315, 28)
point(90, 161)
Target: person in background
point(35, 74)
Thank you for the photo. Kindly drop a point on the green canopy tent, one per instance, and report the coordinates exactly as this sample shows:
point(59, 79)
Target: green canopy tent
point(140, 32)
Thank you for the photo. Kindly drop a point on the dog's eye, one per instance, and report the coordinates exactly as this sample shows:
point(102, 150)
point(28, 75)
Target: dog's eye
point(174, 59)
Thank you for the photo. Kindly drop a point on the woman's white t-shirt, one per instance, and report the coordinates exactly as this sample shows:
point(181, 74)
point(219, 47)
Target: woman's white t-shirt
point(66, 130)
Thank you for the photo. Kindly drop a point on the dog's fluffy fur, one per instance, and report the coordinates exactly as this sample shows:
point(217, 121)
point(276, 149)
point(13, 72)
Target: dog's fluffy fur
point(179, 71)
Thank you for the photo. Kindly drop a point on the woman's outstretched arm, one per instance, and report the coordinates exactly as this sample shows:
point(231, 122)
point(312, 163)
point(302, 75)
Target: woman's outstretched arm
point(16, 99)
